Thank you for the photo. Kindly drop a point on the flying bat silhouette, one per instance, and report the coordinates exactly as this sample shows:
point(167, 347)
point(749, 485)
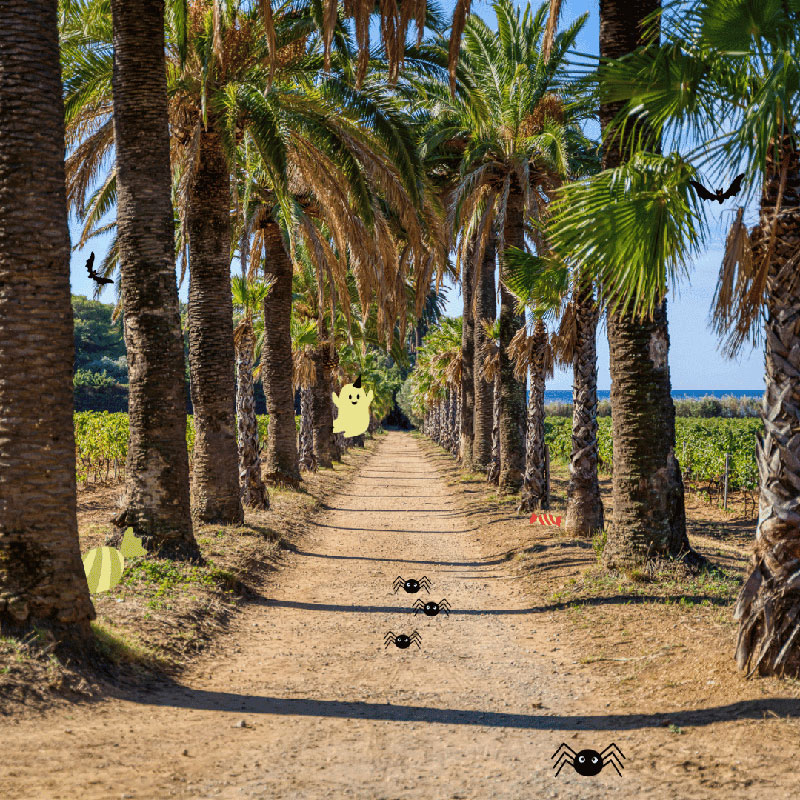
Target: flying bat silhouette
point(98, 279)
point(719, 195)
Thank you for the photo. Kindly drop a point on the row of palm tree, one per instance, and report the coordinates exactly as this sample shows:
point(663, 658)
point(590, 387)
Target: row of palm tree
point(613, 240)
point(208, 125)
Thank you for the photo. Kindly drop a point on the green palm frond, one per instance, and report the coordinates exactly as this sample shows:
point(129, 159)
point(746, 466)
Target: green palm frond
point(638, 226)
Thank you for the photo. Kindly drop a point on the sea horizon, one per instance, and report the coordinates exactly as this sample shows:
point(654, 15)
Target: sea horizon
point(565, 395)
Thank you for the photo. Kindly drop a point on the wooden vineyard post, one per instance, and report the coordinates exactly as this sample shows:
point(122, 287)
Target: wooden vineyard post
point(725, 486)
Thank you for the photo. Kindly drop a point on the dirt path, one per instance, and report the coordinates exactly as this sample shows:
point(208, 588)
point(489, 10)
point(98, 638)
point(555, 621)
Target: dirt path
point(328, 712)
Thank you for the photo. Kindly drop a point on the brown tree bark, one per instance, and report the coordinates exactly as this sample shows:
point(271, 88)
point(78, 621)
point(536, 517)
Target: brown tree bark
point(485, 309)
point(584, 514)
point(768, 608)
point(535, 492)
point(42, 581)
point(649, 521)
point(215, 467)
point(251, 485)
point(325, 449)
point(276, 361)
point(512, 390)
point(156, 501)
point(467, 388)
point(308, 461)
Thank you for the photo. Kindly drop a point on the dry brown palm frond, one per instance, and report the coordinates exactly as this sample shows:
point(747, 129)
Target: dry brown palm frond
point(489, 355)
point(563, 342)
point(84, 163)
point(740, 287)
point(520, 351)
point(304, 371)
point(550, 31)
point(453, 370)
point(460, 15)
point(268, 22)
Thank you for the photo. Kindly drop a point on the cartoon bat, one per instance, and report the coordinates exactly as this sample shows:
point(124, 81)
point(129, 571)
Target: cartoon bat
point(103, 565)
point(98, 279)
point(719, 195)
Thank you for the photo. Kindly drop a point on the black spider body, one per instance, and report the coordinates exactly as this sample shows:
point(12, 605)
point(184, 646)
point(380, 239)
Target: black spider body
point(588, 762)
point(411, 585)
point(431, 609)
point(402, 640)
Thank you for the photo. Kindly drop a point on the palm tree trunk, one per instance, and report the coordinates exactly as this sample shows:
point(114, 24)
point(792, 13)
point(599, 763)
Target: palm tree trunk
point(325, 448)
point(512, 390)
point(42, 581)
point(485, 309)
point(467, 387)
point(156, 502)
point(535, 485)
point(308, 460)
point(649, 518)
point(455, 419)
point(768, 609)
point(253, 492)
point(215, 473)
point(276, 359)
point(493, 471)
point(584, 506)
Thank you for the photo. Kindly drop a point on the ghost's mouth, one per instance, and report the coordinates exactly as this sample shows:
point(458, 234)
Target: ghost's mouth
point(354, 402)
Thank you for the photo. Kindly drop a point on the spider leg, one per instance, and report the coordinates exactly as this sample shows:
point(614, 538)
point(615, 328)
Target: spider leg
point(445, 606)
point(615, 747)
point(416, 638)
point(418, 605)
point(389, 639)
point(564, 758)
point(425, 583)
point(566, 747)
point(398, 582)
point(613, 764)
point(614, 761)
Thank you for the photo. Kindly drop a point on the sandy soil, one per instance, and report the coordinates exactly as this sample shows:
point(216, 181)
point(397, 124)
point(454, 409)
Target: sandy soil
point(302, 699)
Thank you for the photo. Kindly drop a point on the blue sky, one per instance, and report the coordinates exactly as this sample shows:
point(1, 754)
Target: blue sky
point(695, 362)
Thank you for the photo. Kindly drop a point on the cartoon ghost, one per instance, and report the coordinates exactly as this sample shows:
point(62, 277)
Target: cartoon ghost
point(353, 404)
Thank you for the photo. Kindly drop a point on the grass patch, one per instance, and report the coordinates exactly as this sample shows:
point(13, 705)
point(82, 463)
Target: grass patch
point(121, 649)
point(159, 579)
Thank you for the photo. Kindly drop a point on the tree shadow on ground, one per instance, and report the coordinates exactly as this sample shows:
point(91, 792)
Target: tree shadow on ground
point(185, 697)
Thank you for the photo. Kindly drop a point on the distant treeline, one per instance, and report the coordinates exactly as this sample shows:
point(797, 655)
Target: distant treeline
point(728, 406)
point(100, 379)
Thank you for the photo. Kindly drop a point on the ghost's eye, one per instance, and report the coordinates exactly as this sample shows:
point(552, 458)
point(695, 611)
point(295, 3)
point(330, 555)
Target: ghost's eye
point(350, 397)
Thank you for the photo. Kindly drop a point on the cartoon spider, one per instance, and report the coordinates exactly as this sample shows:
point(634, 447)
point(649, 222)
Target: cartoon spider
point(401, 640)
point(412, 586)
point(588, 762)
point(430, 608)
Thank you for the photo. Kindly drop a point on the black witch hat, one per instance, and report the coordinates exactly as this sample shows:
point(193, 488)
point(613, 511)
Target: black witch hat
point(357, 382)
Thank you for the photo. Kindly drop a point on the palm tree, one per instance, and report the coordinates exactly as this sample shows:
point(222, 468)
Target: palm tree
point(467, 387)
point(489, 369)
point(732, 68)
point(547, 284)
point(250, 296)
point(41, 575)
point(156, 501)
point(485, 312)
point(305, 340)
point(508, 115)
point(532, 354)
point(649, 515)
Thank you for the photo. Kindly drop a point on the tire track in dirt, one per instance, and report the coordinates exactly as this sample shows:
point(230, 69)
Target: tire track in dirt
point(328, 712)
